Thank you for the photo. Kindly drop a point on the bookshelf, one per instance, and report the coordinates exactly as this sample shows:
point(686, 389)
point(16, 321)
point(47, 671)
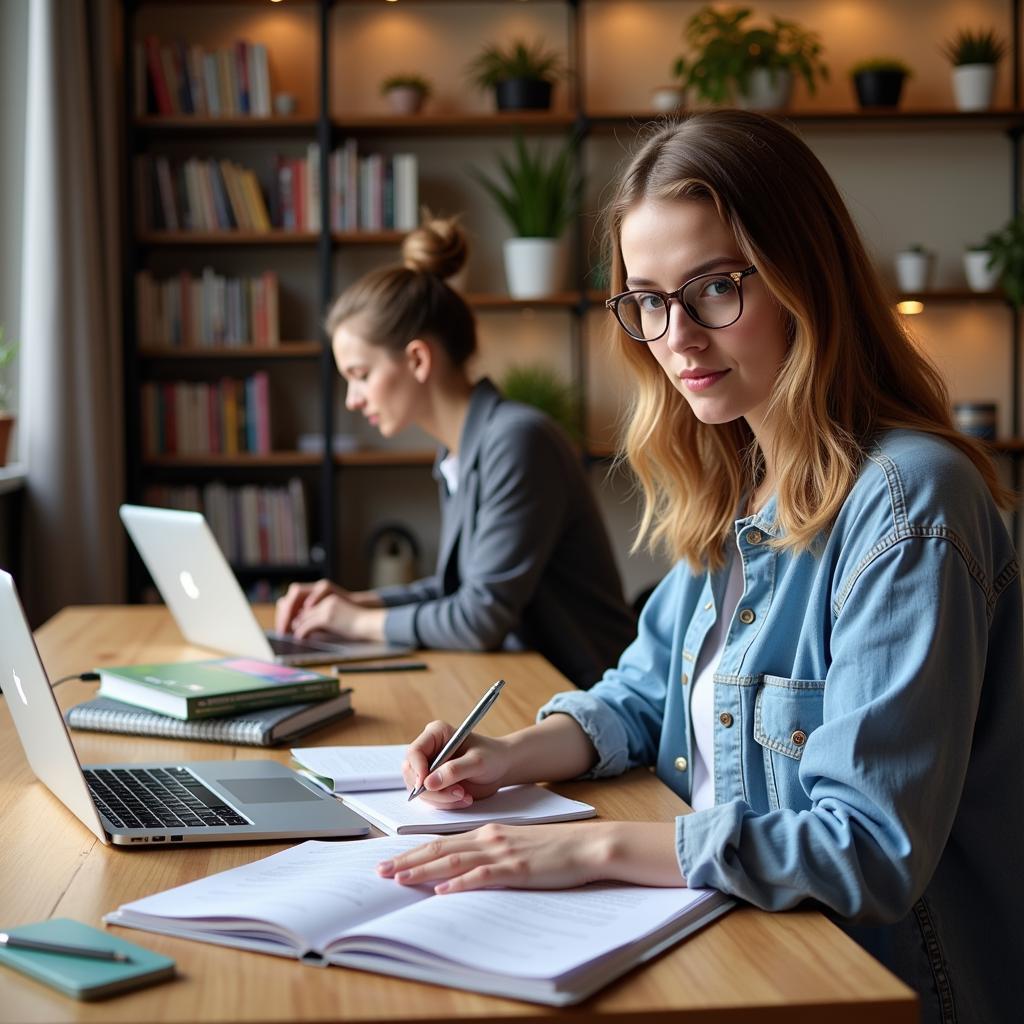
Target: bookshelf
point(330, 54)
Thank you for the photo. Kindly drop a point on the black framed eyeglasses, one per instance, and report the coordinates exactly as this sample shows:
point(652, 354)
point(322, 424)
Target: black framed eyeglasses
point(711, 300)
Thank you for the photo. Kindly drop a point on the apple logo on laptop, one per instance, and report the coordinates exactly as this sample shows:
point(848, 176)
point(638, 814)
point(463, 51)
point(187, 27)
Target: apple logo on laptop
point(189, 585)
point(18, 687)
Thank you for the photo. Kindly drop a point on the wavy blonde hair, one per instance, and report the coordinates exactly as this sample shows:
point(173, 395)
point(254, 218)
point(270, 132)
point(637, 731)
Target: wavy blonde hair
point(851, 369)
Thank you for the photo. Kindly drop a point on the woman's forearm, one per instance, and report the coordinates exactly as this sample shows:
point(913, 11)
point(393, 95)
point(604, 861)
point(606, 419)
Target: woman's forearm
point(554, 749)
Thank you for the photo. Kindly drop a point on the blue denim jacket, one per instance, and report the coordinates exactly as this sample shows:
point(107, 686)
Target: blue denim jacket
point(869, 744)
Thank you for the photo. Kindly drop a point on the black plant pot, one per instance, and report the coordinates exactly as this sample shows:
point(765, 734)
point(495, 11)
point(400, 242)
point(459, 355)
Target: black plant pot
point(523, 94)
point(878, 88)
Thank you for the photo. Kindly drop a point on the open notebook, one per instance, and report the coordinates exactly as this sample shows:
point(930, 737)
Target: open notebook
point(323, 903)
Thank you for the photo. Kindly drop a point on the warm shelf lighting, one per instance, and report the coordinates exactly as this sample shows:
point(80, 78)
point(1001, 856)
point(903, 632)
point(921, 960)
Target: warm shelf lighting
point(910, 307)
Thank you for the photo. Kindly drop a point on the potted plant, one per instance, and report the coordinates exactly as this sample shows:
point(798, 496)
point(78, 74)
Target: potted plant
point(8, 350)
point(913, 269)
point(539, 197)
point(979, 268)
point(404, 93)
point(522, 74)
point(1007, 258)
point(541, 387)
point(974, 56)
point(751, 66)
point(879, 81)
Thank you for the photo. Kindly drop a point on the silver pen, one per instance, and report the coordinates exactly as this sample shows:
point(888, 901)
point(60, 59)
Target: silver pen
point(462, 733)
point(65, 949)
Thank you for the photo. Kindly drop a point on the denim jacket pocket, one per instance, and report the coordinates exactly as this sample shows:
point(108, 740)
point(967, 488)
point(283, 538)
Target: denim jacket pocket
point(786, 712)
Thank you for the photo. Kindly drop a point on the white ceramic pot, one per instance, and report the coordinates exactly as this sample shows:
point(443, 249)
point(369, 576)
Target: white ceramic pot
point(404, 100)
point(667, 99)
point(976, 270)
point(913, 270)
point(973, 85)
point(534, 267)
point(767, 89)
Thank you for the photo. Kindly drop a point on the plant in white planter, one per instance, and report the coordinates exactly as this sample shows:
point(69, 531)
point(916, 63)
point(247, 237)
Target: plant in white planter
point(8, 350)
point(752, 67)
point(405, 94)
point(539, 197)
point(913, 269)
point(979, 268)
point(974, 56)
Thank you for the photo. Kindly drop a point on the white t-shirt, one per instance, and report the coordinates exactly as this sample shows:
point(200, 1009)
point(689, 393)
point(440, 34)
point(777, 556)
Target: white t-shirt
point(449, 469)
point(702, 696)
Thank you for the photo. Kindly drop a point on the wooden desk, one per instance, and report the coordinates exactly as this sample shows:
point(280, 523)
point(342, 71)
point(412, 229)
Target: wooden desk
point(781, 967)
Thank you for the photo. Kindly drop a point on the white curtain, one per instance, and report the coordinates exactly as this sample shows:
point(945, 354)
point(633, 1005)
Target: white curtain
point(71, 406)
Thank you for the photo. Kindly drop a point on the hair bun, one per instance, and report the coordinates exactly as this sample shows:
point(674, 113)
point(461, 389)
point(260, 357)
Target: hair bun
point(438, 246)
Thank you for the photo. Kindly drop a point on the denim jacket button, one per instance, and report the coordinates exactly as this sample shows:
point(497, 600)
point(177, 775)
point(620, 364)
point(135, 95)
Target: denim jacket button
point(747, 616)
point(799, 738)
point(725, 718)
point(686, 679)
point(755, 537)
point(681, 764)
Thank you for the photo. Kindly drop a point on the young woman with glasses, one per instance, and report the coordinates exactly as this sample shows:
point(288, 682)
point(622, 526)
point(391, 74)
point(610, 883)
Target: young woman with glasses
point(832, 675)
point(524, 560)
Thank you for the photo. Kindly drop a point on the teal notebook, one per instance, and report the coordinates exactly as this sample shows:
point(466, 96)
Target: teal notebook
point(78, 976)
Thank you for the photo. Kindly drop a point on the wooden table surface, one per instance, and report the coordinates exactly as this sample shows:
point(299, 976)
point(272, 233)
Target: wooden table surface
point(787, 967)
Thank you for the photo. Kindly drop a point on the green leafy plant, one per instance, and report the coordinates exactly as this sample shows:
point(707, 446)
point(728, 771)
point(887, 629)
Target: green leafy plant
point(881, 64)
point(540, 387)
point(1007, 258)
point(727, 50)
point(981, 47)
point(8, 350)
point(403, 81)
point(519, 59)
point(537, 195)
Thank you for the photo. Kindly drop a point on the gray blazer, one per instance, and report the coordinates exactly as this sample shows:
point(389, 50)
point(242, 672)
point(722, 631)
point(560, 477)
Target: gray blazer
point(524, 561)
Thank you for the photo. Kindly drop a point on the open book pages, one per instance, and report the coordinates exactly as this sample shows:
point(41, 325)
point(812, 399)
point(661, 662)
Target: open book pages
point(392, 811)
point(324, 903)
point(352, 769)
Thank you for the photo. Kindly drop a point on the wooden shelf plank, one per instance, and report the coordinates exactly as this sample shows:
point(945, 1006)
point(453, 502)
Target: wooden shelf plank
point(244, 461)
point(177, 124)
point(286, 350)
point(536, 121)
point(275, 236)
point(953, 295)
point(560, 300)
point(367, 237)
point(371, 457)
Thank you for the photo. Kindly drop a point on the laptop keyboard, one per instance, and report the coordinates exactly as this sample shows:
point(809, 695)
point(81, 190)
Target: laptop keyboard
point(158, 798)
point(279, 645)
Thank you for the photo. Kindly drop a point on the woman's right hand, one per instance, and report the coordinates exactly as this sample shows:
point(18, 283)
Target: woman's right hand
point(477, 771)
point(298, 597)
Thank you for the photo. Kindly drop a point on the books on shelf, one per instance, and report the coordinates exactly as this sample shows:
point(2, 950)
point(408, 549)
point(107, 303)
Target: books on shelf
point(198, 194)
point(253, 525)
point(209, 689)
point(226, 417)
point(208, 311)
point(265, 727)
point(373, 192)
point(177, 78)
point(353, 769)
point(324, 903)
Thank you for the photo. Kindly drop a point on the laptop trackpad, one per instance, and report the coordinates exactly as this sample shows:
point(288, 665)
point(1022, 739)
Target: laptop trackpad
point(268, 791)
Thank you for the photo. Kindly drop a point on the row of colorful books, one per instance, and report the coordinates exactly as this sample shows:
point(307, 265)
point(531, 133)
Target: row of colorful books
point(253, 525)
point(176, 78)
point(226, 417)
point(198, 195)
point(369, 192)
point(206, 311)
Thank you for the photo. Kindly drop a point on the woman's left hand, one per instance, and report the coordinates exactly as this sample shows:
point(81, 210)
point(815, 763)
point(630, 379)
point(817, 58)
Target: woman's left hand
point(558, 856)
point(335, 613)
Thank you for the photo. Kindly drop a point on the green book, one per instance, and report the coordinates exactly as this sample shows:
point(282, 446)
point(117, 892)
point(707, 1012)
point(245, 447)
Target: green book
point(210, 689)
point(79, 976)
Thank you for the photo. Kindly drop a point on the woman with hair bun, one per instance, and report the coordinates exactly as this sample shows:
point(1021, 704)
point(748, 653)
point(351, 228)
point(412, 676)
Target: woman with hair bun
point(524, 561)
point(833, 673)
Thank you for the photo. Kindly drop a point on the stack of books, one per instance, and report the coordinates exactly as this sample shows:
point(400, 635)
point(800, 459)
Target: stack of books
point(226, 700)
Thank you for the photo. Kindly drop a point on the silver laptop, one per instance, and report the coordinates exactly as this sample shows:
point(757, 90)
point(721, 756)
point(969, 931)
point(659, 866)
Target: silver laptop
point(152, 804)
point(201, 591)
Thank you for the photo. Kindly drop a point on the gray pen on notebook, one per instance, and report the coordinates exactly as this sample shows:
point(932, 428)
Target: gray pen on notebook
point(89, 952)
point(462, 733)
